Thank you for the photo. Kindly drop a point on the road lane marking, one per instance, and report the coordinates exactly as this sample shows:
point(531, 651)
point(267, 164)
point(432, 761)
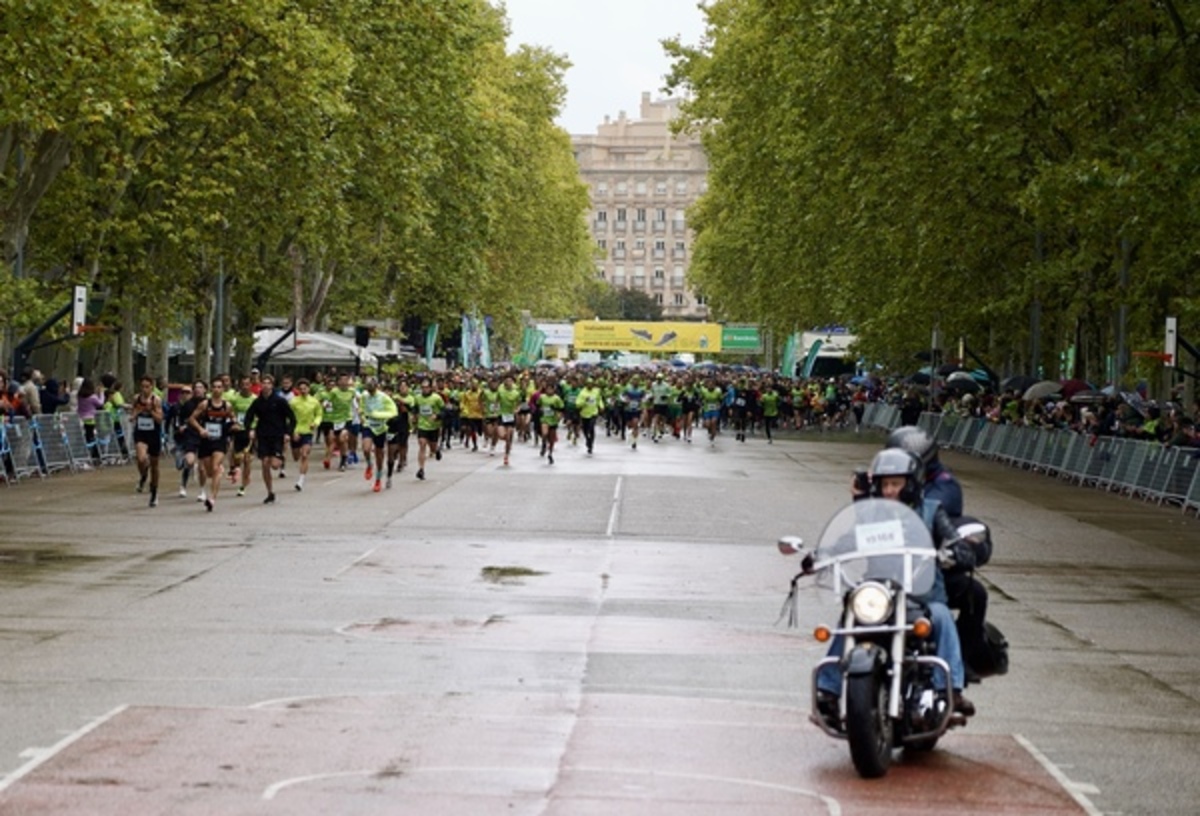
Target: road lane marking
point(616, 508)
point(352, 564)
point(41, 756)
point(1077, 790)
point(832, 806)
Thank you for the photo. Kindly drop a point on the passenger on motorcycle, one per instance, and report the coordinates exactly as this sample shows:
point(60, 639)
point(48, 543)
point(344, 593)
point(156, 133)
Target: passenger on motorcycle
point(897, 475)
point(964, 591)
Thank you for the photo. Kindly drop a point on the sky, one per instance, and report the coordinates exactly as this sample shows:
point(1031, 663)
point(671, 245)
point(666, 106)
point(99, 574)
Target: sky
point(613, 46)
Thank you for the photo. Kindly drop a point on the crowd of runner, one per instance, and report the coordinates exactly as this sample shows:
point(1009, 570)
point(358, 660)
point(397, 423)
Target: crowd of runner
point(227, 431)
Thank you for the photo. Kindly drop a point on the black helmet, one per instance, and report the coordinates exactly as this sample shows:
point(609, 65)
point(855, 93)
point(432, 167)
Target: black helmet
point(898, 462)
point(915, 441)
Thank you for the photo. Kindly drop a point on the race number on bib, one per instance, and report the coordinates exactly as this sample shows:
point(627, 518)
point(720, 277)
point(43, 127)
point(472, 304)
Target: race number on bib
point(145, 423)
point(213, 429)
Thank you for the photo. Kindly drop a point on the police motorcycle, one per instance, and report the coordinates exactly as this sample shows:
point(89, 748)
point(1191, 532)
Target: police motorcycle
point(877, 556)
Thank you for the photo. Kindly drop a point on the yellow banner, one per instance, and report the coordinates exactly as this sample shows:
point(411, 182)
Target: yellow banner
point(618, 335)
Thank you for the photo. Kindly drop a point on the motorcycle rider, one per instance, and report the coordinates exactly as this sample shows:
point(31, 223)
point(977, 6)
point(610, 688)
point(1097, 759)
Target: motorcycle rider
point(965, 592)
point(897, 475)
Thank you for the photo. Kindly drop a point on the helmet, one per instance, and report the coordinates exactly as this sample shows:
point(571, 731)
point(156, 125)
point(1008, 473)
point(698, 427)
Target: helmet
point(898, 462)
point(915, 441)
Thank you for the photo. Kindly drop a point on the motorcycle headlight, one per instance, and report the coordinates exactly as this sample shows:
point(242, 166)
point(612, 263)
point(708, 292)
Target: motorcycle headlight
point(871, 603)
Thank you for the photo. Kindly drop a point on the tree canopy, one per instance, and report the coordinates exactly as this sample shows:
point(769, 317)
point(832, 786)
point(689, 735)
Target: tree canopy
point(331, 161)
point(989, 169)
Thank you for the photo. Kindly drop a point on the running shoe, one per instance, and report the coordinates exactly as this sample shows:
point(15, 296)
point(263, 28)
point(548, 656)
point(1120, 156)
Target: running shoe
point(389, 482)
point(550, 458)
point(241, 491)
point(202, 498)
point(282, 475)
point(377, 487)
point(325, 462)
point(368, 473)
point(154, 498)
point(209, 504)
point(183, 492)
point(342, 467)
point(270, 499)
point(506, 461)
point(299, 487)
point(421, 474)
point(437, 454)
point(141, 487)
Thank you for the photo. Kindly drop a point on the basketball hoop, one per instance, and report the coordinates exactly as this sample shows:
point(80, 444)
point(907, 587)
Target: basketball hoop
point(90, 328)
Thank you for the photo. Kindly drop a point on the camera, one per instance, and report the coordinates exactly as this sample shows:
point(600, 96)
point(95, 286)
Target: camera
point(862, 481)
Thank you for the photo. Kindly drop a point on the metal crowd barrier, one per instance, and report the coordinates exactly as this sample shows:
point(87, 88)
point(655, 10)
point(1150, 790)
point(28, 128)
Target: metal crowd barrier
point(22, 452)
point(50, 443)
point(1131, 467)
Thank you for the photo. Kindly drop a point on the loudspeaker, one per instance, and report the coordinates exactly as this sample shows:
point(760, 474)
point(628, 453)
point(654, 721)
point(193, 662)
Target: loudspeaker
point(362, 336)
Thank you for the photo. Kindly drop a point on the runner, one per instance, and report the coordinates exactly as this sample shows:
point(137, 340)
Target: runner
point(660, 393)
point(510, 400)
point(341, 406)
point(213, 420)
point(710, 403)
point(472, 414)
point(147, 416)
point(270, 420)
point(549, 406)
point(308, 412)
point(491, 414)
point(769, 401)
point(399, 428)
point(377, 410)
point(632, 397)
point(429, 407)
point(242, 453)
point(187, 439)
point(689, 407)
point(589, 403)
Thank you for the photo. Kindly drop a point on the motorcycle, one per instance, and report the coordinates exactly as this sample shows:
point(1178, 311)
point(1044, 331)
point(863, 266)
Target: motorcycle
point(878, 558)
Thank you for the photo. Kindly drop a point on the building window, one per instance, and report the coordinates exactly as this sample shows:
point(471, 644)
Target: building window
point(700, 301)
point(620, 213)
point(639, 243)
point(602, 188)
point(660, 188)
point(660, 214)
point(602, 243)
point(658, 298)
point(600, 272)
point(602, 215)
point(639, 214)
point(681, 188)
point(679, 299)
point(659, 273)
point(622, 188)
point(618, 277)
point(640, 188)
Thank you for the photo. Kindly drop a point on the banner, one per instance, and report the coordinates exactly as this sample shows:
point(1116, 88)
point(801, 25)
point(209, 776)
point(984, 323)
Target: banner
point(812, 358)
point(741, 338)
point(430, 341)
point(648, 337)
point(787, 366)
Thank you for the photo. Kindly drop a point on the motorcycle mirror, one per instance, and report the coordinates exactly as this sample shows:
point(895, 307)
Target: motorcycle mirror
point(974, 531)
point(791, 545)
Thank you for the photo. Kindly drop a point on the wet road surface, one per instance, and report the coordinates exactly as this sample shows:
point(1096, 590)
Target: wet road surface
point(592, 637)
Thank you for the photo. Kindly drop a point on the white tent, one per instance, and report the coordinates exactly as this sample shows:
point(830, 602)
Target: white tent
point(311, 348)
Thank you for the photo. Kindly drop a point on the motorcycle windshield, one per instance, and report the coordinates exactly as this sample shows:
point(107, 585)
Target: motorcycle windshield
point(876, 540)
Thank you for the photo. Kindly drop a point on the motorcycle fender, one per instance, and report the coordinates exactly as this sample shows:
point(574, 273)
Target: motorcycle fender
point(863, 659)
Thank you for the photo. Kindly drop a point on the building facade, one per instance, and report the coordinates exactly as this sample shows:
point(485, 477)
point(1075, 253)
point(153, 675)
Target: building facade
point(642, 179)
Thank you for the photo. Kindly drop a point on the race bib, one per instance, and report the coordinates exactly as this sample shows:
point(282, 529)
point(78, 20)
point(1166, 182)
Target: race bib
point(213, 429)
point(426, 410)
point(377, 427)
point(507, 418)
point(338, 427)
point(145, 423)
point(635, 404)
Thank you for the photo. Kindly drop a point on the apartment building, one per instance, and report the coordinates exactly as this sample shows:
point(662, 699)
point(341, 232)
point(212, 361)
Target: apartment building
point(642, 179)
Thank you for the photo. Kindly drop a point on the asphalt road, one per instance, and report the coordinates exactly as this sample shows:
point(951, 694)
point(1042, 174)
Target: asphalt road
point(596, 636)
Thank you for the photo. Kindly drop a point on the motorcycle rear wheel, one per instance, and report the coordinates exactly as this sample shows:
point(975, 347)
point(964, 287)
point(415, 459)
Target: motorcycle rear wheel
point(868, 726)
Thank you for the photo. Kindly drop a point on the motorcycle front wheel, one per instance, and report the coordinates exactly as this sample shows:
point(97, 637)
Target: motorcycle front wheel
point(868, 727)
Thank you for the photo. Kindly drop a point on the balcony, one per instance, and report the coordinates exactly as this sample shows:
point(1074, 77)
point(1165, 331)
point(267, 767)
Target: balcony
point(660, 226)
point(639, 253)
point(600, 226)
point(658, 283)
point(619, 226)
point(639, 226)
point(638, 282)
point(679, 225)
point(678, 254)
point(659, 255)
point(678, 283)
point(618, 254)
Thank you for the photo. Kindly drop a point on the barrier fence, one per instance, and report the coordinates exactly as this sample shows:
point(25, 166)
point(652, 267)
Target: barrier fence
point(54, 442)
point(1131, 467)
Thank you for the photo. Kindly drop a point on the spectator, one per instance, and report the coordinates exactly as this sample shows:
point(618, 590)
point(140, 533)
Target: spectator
point(52, 397)
point(90, 402)
point(31, 378)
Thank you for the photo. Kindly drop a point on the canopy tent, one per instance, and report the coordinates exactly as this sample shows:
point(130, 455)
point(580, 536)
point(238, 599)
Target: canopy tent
point(312, 349)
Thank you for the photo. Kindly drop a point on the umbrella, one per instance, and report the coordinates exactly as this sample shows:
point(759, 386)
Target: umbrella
point(1072, 387)
point(961, 375)
point(963, 385)
point(920, 378)
point(1019, 383)
point(1087, 397)
point(1135, 402)
point(948, 368)
point(1041, 390)
point(862, 379)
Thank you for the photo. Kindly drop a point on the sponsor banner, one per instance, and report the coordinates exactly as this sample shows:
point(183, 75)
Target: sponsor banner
point(620, 335)
point(558, 334)
point(741, 338)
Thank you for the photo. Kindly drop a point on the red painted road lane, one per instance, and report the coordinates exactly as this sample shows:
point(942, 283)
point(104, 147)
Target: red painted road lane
point(535, 753)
